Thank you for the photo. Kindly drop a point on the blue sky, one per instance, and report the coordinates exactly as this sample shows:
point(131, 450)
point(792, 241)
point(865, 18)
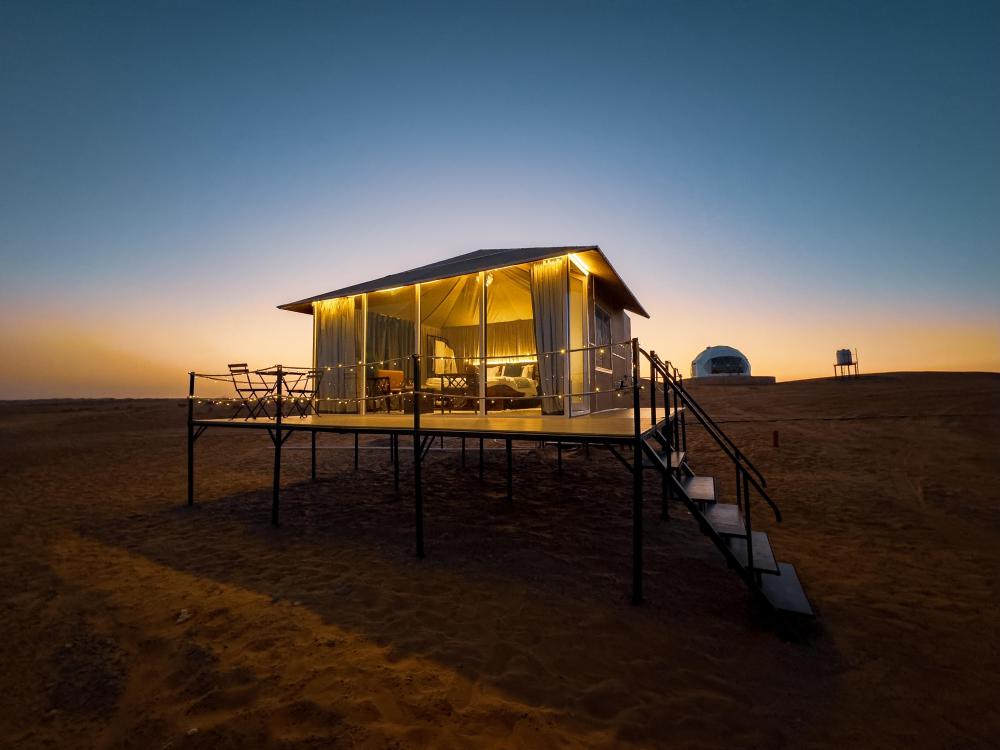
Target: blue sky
point(172, 171)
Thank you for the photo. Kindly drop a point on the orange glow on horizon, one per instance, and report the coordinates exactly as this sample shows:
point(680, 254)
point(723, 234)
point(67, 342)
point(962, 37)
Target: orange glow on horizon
point(90, 351)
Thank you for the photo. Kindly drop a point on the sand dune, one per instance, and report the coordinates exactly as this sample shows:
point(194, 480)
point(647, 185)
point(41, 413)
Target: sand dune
point(130, 620)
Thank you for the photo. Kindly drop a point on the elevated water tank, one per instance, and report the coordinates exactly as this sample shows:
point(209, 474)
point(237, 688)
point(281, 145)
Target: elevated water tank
point(845, 357)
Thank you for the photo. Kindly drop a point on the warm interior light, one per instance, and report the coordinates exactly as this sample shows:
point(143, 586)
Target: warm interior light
point(579, 263)
point(491, 361)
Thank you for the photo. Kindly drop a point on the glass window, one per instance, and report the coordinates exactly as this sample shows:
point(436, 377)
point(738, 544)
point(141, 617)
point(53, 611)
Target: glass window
point(602, 337)
point(390, 341)
point(450, 341)
point(726, 366)
point(579, 358)
point(511, 351)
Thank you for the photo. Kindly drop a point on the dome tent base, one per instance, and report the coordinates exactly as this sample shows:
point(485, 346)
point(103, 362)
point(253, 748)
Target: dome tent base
point(732, 380)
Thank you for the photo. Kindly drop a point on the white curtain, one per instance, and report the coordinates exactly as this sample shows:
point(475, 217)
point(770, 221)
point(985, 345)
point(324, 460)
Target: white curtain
point(337, 346)
point(464, 340)
point(548, 302)
point(390, 343)
point(512, 338)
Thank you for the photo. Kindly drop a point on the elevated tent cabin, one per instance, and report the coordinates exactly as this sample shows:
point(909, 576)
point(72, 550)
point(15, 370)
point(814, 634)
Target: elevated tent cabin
point(500, 346)
point(518, 331)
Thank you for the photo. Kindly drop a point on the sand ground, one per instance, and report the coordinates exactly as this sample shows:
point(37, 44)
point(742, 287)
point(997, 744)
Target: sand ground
point(130, 620)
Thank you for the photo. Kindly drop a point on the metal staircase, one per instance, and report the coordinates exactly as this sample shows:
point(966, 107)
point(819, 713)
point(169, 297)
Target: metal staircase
point(728, 525)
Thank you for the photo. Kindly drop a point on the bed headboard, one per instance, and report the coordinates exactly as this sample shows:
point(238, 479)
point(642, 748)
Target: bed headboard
point(439, 347)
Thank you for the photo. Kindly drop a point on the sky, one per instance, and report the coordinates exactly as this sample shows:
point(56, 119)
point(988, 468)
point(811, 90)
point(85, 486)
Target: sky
point(788, 178)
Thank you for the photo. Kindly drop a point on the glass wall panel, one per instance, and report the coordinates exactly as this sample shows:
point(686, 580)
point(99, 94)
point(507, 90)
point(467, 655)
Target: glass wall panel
point(579, 360)
point(511, 353)
point(390, 341)
point(337, 330)
point(450, 337)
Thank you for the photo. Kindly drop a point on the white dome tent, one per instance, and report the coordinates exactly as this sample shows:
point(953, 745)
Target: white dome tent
point(720, 360)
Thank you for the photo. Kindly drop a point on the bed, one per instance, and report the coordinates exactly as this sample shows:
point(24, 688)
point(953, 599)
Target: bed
point(510, 386)
point(522, 378)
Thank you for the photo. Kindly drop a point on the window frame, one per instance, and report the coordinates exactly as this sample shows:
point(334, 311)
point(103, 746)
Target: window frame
point(598, 366)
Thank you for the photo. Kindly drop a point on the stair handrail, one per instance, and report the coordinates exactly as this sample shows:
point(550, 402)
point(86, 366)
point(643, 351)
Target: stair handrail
point(676, 382)
point(724, 442)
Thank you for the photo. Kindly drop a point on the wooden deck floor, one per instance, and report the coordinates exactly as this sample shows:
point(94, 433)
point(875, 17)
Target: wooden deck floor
point(614, 424)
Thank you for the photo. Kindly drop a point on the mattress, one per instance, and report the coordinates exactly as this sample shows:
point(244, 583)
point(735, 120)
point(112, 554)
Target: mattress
point(525, 386)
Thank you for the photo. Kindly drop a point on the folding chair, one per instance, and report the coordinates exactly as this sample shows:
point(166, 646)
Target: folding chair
point(377, 391)
point(388, 383)
point(252, 394)
point(301, 387)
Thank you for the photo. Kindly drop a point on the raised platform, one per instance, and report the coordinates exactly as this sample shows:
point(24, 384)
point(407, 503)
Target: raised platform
point(613, 424)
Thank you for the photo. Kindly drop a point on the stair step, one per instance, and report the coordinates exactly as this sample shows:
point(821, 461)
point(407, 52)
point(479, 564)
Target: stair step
point(675, 461)
point(676, 457)
point(763, 556)
point(661, 436)
point(699, 489)
point(665, 420)
point(785, 593)
point(655, 432)
point(725, 518)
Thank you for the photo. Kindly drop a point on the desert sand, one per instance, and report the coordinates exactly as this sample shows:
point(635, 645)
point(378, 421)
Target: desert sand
point(132, 621)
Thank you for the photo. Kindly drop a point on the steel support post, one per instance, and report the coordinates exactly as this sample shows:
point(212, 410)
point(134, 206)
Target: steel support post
point(418, 499)
point(394, 447)
point(510, 471)
point(313, 435)
point(636, 480)
point(277, 449)
point(190, 426)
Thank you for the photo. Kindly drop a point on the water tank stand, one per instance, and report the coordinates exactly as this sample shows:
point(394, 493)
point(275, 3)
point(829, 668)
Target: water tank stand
point(846, 367)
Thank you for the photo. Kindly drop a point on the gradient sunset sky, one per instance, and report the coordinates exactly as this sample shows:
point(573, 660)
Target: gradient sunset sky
point(786, 178)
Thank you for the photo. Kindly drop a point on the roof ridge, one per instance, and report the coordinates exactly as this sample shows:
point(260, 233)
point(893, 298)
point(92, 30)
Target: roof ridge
point(470, 262)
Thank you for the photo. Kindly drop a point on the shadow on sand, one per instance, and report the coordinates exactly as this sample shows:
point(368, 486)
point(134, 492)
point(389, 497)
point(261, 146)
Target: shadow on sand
point(529, 596)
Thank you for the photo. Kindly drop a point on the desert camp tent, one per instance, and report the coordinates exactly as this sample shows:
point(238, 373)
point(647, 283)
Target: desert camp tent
point(514, 328)
point(720, 360)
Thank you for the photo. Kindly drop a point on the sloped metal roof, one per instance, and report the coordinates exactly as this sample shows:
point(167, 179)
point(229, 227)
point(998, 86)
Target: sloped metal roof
point(486, 260)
